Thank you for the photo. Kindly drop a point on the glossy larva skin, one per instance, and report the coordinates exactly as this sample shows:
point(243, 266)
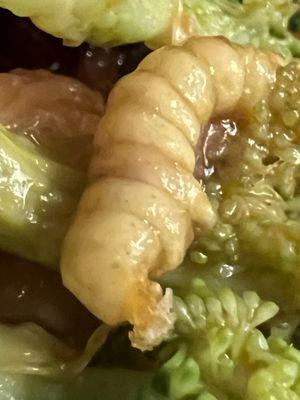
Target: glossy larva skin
point(137, 218)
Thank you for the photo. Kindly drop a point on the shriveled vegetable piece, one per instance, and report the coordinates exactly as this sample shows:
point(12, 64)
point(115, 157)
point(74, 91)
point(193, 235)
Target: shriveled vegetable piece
point(262, 23)
point(136, 220)
point(102, 22)
point(37, 199)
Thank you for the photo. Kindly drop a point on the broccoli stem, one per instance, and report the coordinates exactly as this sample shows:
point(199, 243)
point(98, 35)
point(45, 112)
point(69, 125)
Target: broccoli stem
point(37, 199)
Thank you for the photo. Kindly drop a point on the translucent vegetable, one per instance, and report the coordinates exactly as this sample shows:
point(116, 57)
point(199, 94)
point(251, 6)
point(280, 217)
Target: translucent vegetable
point(28, 349)
point(100, 22)
point(254, 187)
point(57, 112)
point(37, 199)
point(35, 365)
point(263, 24)
point(50, 121)
point(136, 220)
point(221, 355)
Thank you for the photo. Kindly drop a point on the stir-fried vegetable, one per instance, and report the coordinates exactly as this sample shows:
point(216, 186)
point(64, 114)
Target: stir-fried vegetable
point(92, 384)
point(30, 358)
point(37, 199)
point(255, 188)
point(220, 353)
point(262, 23)
point(28, 349)
point(228, 341)
point(99, 22)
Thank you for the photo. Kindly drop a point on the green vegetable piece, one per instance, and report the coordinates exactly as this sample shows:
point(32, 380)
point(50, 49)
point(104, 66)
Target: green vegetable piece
point(223, 355)
point(262, 23)
point(29, 349)
point(37, 199)
point(102, 22)
point(92, 384)
point(198, 257)
point(35, 365)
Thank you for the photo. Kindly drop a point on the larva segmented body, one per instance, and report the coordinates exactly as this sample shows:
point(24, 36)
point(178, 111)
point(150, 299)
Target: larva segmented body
point(136, 220)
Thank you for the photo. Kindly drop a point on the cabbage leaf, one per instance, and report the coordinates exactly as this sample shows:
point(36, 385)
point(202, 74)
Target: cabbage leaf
point(37, 199)
point(29, 349)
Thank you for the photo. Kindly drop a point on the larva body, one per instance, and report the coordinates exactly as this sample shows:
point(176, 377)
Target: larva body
point(137, 218)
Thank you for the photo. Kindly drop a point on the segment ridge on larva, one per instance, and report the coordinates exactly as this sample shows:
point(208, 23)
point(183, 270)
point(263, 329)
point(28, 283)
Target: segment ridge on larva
point(137, 217)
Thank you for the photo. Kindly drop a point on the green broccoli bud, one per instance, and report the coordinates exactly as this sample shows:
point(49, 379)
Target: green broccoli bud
point(262, 23)
point(220, 353)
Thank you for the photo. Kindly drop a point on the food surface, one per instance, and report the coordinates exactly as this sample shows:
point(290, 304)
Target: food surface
point(43, 167)
point(263, 23)
point(100, 22)
point(149, 200)
point(144, 198)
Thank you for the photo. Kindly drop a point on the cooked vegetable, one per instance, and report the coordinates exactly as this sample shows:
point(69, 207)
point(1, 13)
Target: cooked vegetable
point(59, 113)
point(37, 199)
point(221, 355)
point(99, 22)
point(28, 349)
point(29, 293)
point(35, 365)
point(263, 23)
point(253, 184)
point(136, 219)
point(40, 185)
point(92, 384)
point(196, 163)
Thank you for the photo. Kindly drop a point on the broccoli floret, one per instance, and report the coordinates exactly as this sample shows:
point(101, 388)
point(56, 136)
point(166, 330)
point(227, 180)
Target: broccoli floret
point(220, 354)
point(262, 23)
